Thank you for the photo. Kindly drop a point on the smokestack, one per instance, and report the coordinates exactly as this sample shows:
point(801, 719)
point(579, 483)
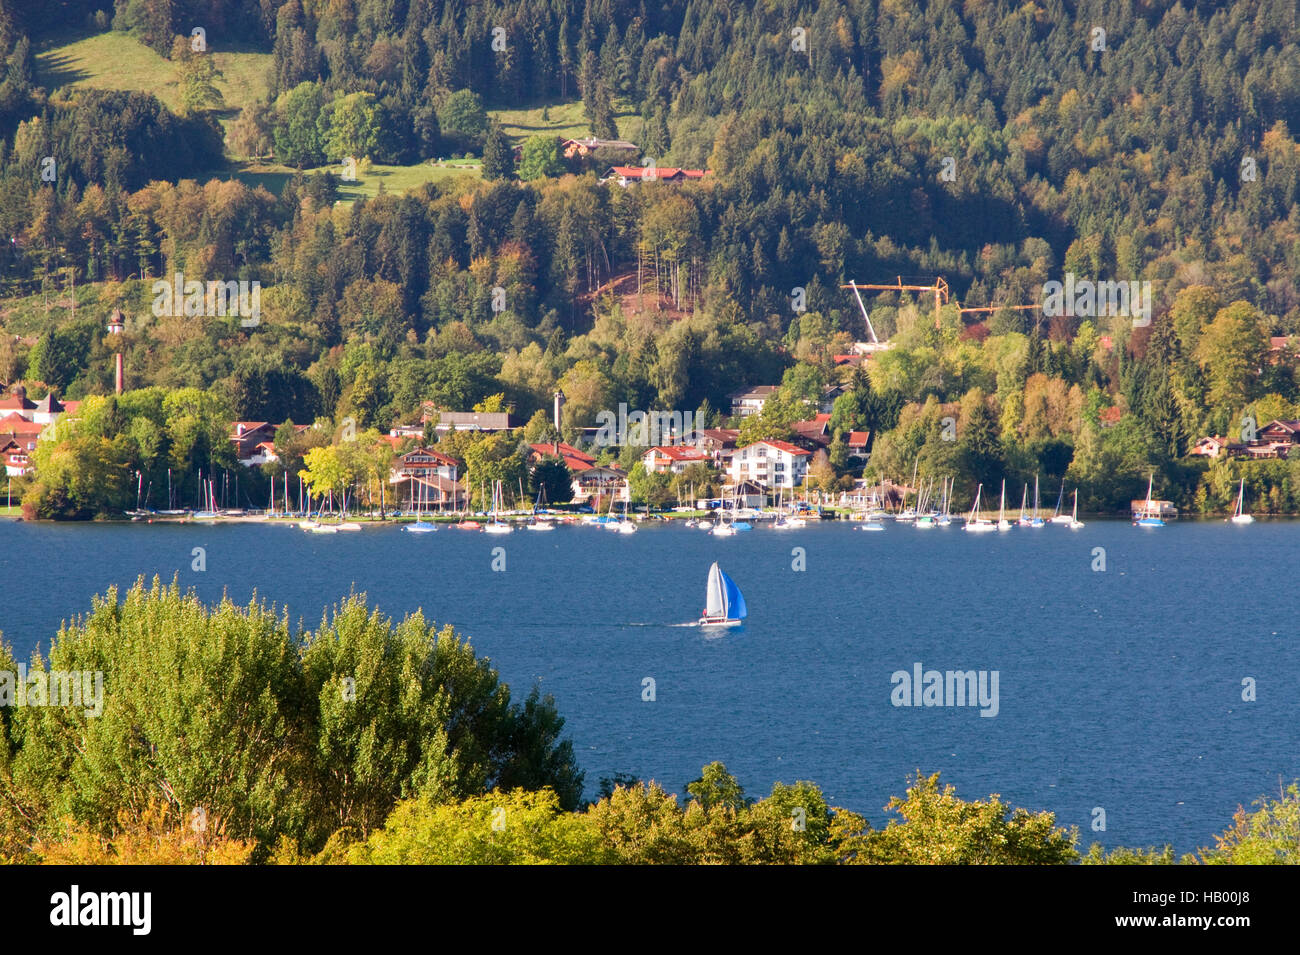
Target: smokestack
point(559, 406)
point(117, 387)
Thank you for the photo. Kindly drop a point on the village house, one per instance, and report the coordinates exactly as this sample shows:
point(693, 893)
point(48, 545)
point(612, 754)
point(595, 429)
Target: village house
point(773, 464)
point(254, 441)
point(626, 175)
point(673, 459)
point(599, 484)
point(859, 442)
point(717, 443)
point(424, 463)
point(751, 400)
point(428, 492)
point(1213, 446)
point(814, 434)
point(21, 423)
point(1273, 441)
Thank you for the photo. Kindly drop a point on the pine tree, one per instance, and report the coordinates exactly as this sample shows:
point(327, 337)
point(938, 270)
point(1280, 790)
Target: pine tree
point(498, 157)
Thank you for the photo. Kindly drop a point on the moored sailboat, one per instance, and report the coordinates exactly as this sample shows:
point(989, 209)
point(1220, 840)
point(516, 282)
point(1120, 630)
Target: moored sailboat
point(1239, 515)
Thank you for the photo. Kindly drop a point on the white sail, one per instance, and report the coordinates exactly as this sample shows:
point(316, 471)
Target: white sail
point(715, 604)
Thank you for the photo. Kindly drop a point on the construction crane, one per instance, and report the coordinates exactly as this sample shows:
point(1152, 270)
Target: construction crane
point(994, 308)
point(939, 288)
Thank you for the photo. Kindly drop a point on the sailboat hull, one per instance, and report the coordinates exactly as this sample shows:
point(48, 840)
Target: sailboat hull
point(711, 622)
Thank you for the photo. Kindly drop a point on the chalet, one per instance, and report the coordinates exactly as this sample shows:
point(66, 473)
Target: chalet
point(1109, 417)
point(254, 441)
point(718, 443)
point(853, 361)
point(770, 463)
point(250, 439)
point(673, 458)
point(424, 463)
point(859, 443)
point(751, 400)
point(1213, 447)
point(600, 484)
point(626, 175)
point(582, 148)
point(16, 450)
point(814, 434)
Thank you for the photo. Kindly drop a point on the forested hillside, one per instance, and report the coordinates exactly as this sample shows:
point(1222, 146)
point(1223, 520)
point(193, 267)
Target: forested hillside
point(997, 145)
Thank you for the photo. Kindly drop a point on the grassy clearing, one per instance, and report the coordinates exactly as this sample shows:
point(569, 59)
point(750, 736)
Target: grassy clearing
point(116, 61)
point(395, 179)
point(566, 121)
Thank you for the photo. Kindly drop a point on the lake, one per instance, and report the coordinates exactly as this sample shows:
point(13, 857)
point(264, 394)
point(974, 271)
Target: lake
point(1120, 689)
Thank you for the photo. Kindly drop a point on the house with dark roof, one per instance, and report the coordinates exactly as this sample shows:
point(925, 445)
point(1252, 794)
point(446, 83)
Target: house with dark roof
point(814, 434)
point(751, 400)
point(718, 443)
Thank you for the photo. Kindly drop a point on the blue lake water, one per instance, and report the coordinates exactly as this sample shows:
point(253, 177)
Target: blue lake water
point(1120, 689)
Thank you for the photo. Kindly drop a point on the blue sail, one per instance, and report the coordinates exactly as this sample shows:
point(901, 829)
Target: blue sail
point(735, 600)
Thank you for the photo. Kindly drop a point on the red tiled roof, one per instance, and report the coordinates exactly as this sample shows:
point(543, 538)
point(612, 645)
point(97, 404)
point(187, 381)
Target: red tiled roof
point(547, 449)
point(678, 452)
point(858, 438)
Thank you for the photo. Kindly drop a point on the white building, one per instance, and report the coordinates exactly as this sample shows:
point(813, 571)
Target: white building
point(773, 464)
point(751, 400)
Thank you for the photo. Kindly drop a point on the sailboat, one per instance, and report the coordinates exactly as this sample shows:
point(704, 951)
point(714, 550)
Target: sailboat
point(724, 605)
point(537, 524)
point(1240, 516)
point(421, 526)
point(496, 525)
point(1075, 523)
point(624, 526)
point(1146, 518)
point(1023, 521)
point(1003, 523)
point(975, 522)
point(945, 518)
point(1057, 516)
point(1036, 521)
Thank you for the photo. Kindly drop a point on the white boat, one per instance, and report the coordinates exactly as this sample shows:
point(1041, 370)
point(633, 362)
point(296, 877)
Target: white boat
point(420, 527)
point(539, 526)
point(1003, 523)
point(975, 523)
point(724, 605)
point(349, 526)
point(323, 529)
point(1075, 523)
point(496, 525)
point(1240, 516)
point(1057, 516)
